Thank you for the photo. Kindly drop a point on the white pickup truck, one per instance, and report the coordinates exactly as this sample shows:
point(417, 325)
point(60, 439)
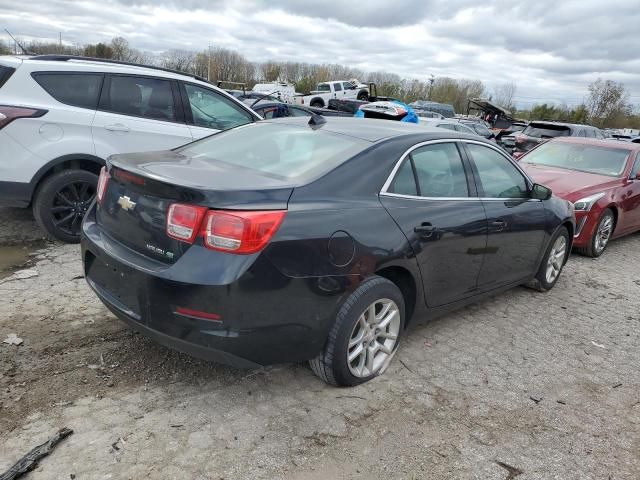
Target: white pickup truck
point(340, 89)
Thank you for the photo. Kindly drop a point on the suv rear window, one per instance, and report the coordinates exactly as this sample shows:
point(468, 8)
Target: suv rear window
point(5, 73)
point(141, 97)
point(546, 131)
point(280, 150)
point(77, 89)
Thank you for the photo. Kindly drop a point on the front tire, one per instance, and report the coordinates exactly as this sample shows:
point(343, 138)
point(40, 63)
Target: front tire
point(61, 202)
point(365, 335)
point(552, 262)
point(601, 236)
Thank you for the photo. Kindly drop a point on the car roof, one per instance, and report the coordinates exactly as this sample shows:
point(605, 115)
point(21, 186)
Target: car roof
point(61, 63)
point(374, 130)
point(598, 143)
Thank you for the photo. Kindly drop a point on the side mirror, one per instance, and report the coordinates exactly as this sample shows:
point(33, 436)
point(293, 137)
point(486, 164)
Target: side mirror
point(540, 192)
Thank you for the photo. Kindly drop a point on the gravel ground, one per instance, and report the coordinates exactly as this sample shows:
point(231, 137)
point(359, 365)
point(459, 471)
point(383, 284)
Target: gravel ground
point(525, 385)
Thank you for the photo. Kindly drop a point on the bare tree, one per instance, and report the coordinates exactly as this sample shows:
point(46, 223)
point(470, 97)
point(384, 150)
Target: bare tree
point(607, 101)
point(504, 94)
point(182, 60)
point(4, 48)
point(124, 53)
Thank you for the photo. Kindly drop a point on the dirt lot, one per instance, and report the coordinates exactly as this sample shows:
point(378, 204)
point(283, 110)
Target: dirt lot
point(526, 386)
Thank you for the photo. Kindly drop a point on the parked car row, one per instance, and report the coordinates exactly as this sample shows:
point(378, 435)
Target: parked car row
point(291, 234)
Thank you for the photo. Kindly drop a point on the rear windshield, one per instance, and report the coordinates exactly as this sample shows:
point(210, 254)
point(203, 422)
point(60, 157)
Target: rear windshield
point(5, 73)
point(324, 87)
point(281, 150)
point(585, 158)
point(547, 131)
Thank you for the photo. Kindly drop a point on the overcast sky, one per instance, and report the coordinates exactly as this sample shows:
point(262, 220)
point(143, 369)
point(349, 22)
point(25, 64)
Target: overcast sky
point(550, 48)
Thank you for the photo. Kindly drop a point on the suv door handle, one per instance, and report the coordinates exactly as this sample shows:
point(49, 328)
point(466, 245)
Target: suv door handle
point(117, 127)
point(425, 229)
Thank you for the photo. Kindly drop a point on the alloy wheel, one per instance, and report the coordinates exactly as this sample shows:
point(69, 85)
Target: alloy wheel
point(556, 259)
point(603, 234)
point(374, 338)
point(70, 203)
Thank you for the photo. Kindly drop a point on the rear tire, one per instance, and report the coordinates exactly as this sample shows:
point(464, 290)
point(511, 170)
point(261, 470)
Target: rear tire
point(601, 236)
point(317, 103)
point(552, 262)
point(369, 318)
point(61, 202)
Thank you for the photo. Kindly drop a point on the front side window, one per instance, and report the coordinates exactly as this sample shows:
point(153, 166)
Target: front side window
point(499, 178)
point(77, 89)
point(211, 110)
point(142, 97)
point(347, 85)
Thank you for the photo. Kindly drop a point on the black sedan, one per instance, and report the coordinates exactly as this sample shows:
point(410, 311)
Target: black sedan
point(311, 239)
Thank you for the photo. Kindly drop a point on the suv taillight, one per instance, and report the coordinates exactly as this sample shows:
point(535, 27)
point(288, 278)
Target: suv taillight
point(239, 231)
point(103, 180)
point(183, 221)
point(8, 114)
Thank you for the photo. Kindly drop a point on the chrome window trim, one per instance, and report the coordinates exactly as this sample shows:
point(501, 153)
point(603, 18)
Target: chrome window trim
point(393, 173)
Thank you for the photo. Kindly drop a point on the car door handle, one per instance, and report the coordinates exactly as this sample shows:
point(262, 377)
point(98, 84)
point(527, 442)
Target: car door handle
point(498, 225)
point(117, 127)
point(425, 229)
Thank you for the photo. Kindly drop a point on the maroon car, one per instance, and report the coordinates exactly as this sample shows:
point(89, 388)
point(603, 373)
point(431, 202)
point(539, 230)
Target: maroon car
point(600, 177)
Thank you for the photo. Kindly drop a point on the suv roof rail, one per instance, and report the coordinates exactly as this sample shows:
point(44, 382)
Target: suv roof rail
point(64, 58)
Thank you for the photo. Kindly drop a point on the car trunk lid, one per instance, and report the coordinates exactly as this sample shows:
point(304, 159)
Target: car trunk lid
point(143, 186)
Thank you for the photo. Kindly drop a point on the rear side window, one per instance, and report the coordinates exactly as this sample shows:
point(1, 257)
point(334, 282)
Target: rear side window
point(77, 89)
point(211, 110)
point(546, 131)
point(5, 73)
point(439, 171)
point(141, 97)
point(404, 183)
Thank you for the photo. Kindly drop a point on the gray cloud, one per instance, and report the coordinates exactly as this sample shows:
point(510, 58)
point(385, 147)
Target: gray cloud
point(550, 49)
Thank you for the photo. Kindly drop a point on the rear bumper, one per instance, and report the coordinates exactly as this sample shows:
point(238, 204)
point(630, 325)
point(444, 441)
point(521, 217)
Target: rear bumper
point(15, 194)
point(265, 317)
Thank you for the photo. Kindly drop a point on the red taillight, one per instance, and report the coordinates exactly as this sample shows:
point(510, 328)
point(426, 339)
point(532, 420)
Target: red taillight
point(9, 114)
point(240, 232)
point(189, 312)
point(183, 221)
point(103, 180)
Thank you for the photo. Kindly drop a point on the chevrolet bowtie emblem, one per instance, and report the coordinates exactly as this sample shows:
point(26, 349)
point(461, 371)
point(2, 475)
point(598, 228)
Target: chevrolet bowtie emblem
point(126, 203)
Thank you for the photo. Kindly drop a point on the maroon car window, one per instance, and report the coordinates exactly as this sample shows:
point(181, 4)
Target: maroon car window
point(584, 158)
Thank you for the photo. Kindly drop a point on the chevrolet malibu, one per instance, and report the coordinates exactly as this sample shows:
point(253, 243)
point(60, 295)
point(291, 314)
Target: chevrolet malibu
point(310, 239)
point(601, 178)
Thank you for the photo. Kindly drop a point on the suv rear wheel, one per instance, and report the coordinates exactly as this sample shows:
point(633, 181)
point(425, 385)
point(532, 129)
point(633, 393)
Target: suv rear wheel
point(61, 202)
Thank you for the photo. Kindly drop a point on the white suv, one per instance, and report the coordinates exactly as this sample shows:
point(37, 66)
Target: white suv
point(61, 117)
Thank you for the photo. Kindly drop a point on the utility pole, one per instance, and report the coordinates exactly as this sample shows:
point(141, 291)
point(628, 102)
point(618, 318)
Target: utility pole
point(209, 65)
point(431, 80)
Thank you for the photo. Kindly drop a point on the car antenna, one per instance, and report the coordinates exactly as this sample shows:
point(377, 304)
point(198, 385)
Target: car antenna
point(316, 121)
point(24, 50)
